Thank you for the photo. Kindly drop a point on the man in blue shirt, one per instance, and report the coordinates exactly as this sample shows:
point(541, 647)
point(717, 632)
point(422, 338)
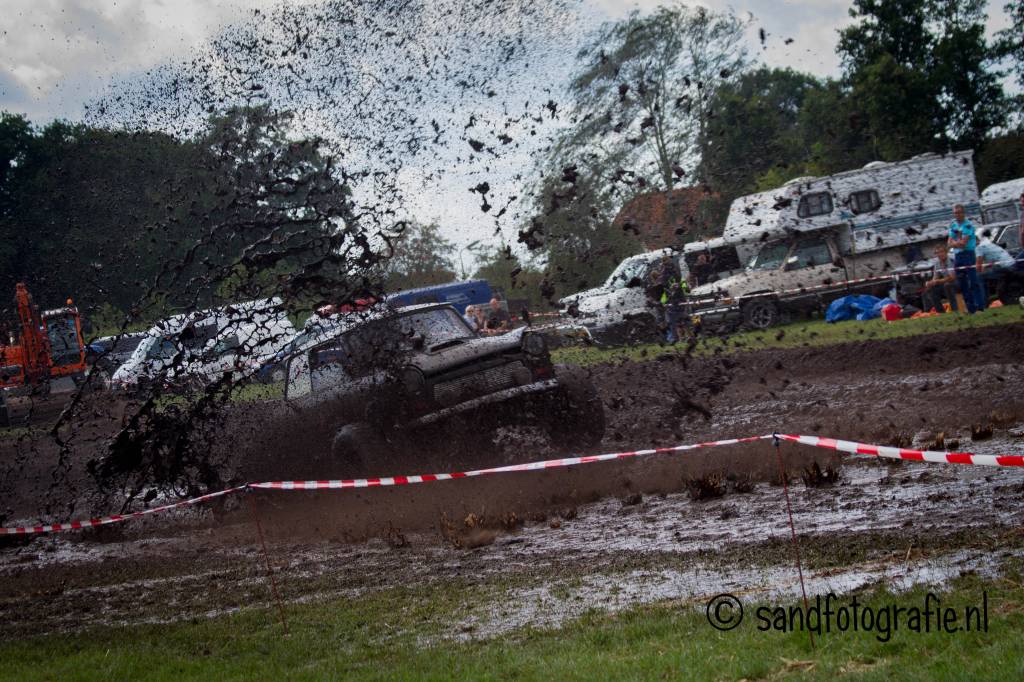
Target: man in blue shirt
point(963, 238)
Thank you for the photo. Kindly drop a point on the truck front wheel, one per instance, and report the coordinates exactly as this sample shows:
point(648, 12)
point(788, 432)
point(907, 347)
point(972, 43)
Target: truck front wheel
point(355, 446)
point(760, 314)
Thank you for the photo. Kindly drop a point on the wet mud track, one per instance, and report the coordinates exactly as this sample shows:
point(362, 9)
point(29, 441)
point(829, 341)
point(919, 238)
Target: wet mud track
point(605, 535)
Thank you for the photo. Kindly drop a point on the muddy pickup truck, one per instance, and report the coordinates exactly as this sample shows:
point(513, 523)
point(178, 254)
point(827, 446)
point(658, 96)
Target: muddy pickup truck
point(421, 373)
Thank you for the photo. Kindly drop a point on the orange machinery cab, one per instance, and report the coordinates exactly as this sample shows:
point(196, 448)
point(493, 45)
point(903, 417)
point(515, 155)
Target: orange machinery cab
point(63, 328)
point(49, 345)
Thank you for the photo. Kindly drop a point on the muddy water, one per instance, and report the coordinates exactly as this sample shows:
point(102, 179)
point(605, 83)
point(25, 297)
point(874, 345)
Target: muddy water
point(608, 554)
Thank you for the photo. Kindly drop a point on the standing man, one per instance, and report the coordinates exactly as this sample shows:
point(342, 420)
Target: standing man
point(962, 237)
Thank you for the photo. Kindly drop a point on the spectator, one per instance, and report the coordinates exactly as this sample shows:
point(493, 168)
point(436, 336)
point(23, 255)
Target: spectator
point(942, 283)
point(963, 238)
point(993, 263)
point(673, 293)
point(471, 317)
point(703, 270)
point(498, 318)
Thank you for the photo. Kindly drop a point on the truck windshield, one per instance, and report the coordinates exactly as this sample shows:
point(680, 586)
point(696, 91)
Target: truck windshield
point(627, 271)
point(380, 344)
point(771, 257)
point(1000, 214)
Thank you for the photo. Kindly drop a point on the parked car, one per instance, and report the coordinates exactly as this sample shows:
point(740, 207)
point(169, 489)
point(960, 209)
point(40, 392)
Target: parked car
point(196, 348)
point(106, 354)
point(393, 373)
point(458, 294)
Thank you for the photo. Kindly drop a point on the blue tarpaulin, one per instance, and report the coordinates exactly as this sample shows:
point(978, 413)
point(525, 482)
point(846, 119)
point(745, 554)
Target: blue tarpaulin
point(858, 307)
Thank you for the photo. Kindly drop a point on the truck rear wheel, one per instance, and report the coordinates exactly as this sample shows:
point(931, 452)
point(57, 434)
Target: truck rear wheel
point(760, 314)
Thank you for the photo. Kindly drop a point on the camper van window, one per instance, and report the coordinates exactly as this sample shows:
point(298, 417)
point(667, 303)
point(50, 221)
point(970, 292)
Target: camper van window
point(819, 203)
point(865, 201)
point(810, 254)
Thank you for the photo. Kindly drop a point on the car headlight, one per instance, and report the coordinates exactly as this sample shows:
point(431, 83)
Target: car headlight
point(413, 380)
point(534, 344)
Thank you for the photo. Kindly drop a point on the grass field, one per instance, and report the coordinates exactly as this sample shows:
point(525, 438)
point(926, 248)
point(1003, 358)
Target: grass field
point(798, 334)
point(402, 634)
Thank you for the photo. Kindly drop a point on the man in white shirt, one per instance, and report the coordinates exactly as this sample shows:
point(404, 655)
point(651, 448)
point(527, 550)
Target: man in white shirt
point(993, 262)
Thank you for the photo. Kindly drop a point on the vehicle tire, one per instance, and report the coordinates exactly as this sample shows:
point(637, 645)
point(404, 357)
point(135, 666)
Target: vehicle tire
point(576, 418)
point(760, 314)
point(355, 446)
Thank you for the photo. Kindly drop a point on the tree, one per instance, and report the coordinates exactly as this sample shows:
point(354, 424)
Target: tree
point(421, 257)
point(1010, 41)
point(504, 270)
point(921, 71)
point(641, 98)
point(754, 129)
point(571, 226)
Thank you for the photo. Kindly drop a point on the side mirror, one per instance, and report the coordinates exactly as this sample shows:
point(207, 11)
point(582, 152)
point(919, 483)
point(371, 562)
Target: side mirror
point(635, 283)
point(792, 262)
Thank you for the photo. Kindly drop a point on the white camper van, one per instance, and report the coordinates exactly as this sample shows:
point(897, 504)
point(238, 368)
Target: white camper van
point(806, 240)
point(198, 347)
point(620, 304)
point(1001, 212)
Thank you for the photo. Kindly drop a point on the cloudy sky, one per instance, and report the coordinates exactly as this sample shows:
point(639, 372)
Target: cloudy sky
point(57, 55)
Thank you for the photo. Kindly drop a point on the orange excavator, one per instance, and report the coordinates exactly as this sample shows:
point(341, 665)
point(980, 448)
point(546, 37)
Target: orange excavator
point(49, 345)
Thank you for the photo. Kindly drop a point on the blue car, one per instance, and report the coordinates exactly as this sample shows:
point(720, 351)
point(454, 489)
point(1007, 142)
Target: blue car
point(458, 294)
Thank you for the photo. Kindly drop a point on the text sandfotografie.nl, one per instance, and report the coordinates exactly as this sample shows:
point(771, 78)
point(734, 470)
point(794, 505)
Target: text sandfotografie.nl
point(826, 614)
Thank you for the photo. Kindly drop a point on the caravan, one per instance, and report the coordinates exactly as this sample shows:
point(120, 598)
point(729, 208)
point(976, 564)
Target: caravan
point(1001, 209)
point(198, 347)
point(804, 242)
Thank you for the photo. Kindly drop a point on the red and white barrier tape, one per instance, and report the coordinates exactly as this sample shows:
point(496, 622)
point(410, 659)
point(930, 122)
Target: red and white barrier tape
point(338, 484)
point(906, 453)
point(530, 466)
point(372, 483)
point(115, 518)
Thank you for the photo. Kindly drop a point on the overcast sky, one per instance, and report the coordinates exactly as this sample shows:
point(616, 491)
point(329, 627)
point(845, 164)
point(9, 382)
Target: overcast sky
point(57, 55)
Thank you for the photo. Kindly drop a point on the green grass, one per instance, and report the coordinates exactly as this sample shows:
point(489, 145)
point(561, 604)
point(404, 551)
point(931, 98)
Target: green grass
point(383, 635)
point(799, 334)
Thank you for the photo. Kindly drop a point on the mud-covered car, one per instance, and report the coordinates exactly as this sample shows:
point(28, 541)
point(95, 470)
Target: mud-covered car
point(421, 372)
